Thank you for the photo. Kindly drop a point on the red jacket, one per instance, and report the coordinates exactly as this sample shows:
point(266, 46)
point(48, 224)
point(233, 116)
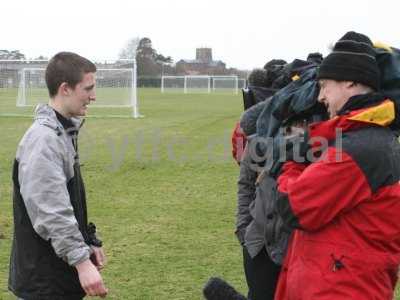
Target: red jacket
point(346, 208)
point(239, 142)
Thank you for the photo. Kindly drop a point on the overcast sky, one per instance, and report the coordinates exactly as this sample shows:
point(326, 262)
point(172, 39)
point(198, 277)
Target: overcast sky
point(243, 34)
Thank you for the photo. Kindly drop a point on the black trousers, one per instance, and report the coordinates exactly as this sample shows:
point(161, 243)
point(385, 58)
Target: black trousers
point(261, 275)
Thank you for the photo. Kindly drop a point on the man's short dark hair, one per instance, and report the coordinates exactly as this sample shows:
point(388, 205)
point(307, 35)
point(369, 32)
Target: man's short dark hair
point(66, 67)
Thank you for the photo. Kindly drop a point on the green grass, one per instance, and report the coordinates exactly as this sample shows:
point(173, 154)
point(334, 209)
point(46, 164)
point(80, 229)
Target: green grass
point(106, 96)
point(161, 190)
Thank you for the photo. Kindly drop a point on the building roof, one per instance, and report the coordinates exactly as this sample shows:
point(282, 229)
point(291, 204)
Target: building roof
point(195, 61)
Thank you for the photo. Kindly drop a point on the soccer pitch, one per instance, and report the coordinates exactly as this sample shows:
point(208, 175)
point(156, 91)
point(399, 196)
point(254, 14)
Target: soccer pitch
point(161, 190)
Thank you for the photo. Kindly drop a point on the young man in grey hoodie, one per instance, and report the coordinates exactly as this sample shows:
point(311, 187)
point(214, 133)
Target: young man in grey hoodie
point(55, 253)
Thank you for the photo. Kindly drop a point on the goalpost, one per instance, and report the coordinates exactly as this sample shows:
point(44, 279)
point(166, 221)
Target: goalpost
point(197, 84)
point(225, 84)
point(186, 84)
point(200, 83)
point(173, 84)
point(116, 85)
point(242, 83)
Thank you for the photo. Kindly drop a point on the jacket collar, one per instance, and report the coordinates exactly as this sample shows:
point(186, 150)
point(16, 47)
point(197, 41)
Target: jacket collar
point(46, 116)
point(359, 112)
point(66, 123)
point(361, 102)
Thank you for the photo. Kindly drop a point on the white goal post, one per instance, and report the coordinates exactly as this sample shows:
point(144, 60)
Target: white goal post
point(200, 83)
point(173, 83)
point(197, 84)
point(186, 84)
point(225, 83)
point(115, 83)
point(242, 83)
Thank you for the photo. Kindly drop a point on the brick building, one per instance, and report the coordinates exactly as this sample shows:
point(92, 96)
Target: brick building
point(203, 64)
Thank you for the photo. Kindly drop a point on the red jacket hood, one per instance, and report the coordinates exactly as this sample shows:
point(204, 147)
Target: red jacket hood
point(381, 114)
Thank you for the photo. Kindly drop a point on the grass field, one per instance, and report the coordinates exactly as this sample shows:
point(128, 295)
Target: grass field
point(161, 190)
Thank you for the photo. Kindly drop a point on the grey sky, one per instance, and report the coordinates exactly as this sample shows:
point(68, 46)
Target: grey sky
point(243, 34)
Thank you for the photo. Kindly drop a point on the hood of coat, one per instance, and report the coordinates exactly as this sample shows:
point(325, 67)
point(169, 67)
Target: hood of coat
point(45, 115)
point(359, 112)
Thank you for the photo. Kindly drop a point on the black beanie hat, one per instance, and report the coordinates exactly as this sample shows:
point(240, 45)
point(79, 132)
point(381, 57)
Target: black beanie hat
point(352, 59)
point(273, 63)
point(315, 57)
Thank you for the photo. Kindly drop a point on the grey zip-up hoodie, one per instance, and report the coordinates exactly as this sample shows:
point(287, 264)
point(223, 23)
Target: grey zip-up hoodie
point(46, 158)
point(258, 224)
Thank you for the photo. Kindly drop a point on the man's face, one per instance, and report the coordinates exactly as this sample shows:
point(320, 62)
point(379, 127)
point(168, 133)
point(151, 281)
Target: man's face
point(333, 94)
point(80, 96)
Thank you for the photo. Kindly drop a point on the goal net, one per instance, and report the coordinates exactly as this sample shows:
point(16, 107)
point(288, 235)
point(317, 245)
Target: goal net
point(225, 84)
point(197, 84)
point(202, 83)
point(115, 84)
point(172, 84)
point(186, 84)
point(242, 83)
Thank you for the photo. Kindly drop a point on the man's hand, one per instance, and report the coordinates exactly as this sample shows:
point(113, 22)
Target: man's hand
point(98, 257)
point(91, 280)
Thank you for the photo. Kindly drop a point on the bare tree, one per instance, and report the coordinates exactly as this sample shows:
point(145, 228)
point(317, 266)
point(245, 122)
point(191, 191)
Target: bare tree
point(129, 51)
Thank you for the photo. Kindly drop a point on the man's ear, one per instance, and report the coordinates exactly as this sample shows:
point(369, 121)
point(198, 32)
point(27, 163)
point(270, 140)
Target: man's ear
point(64, 89)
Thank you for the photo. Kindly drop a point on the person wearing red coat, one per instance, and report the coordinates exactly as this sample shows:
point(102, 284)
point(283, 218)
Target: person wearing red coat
point(344, 206)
